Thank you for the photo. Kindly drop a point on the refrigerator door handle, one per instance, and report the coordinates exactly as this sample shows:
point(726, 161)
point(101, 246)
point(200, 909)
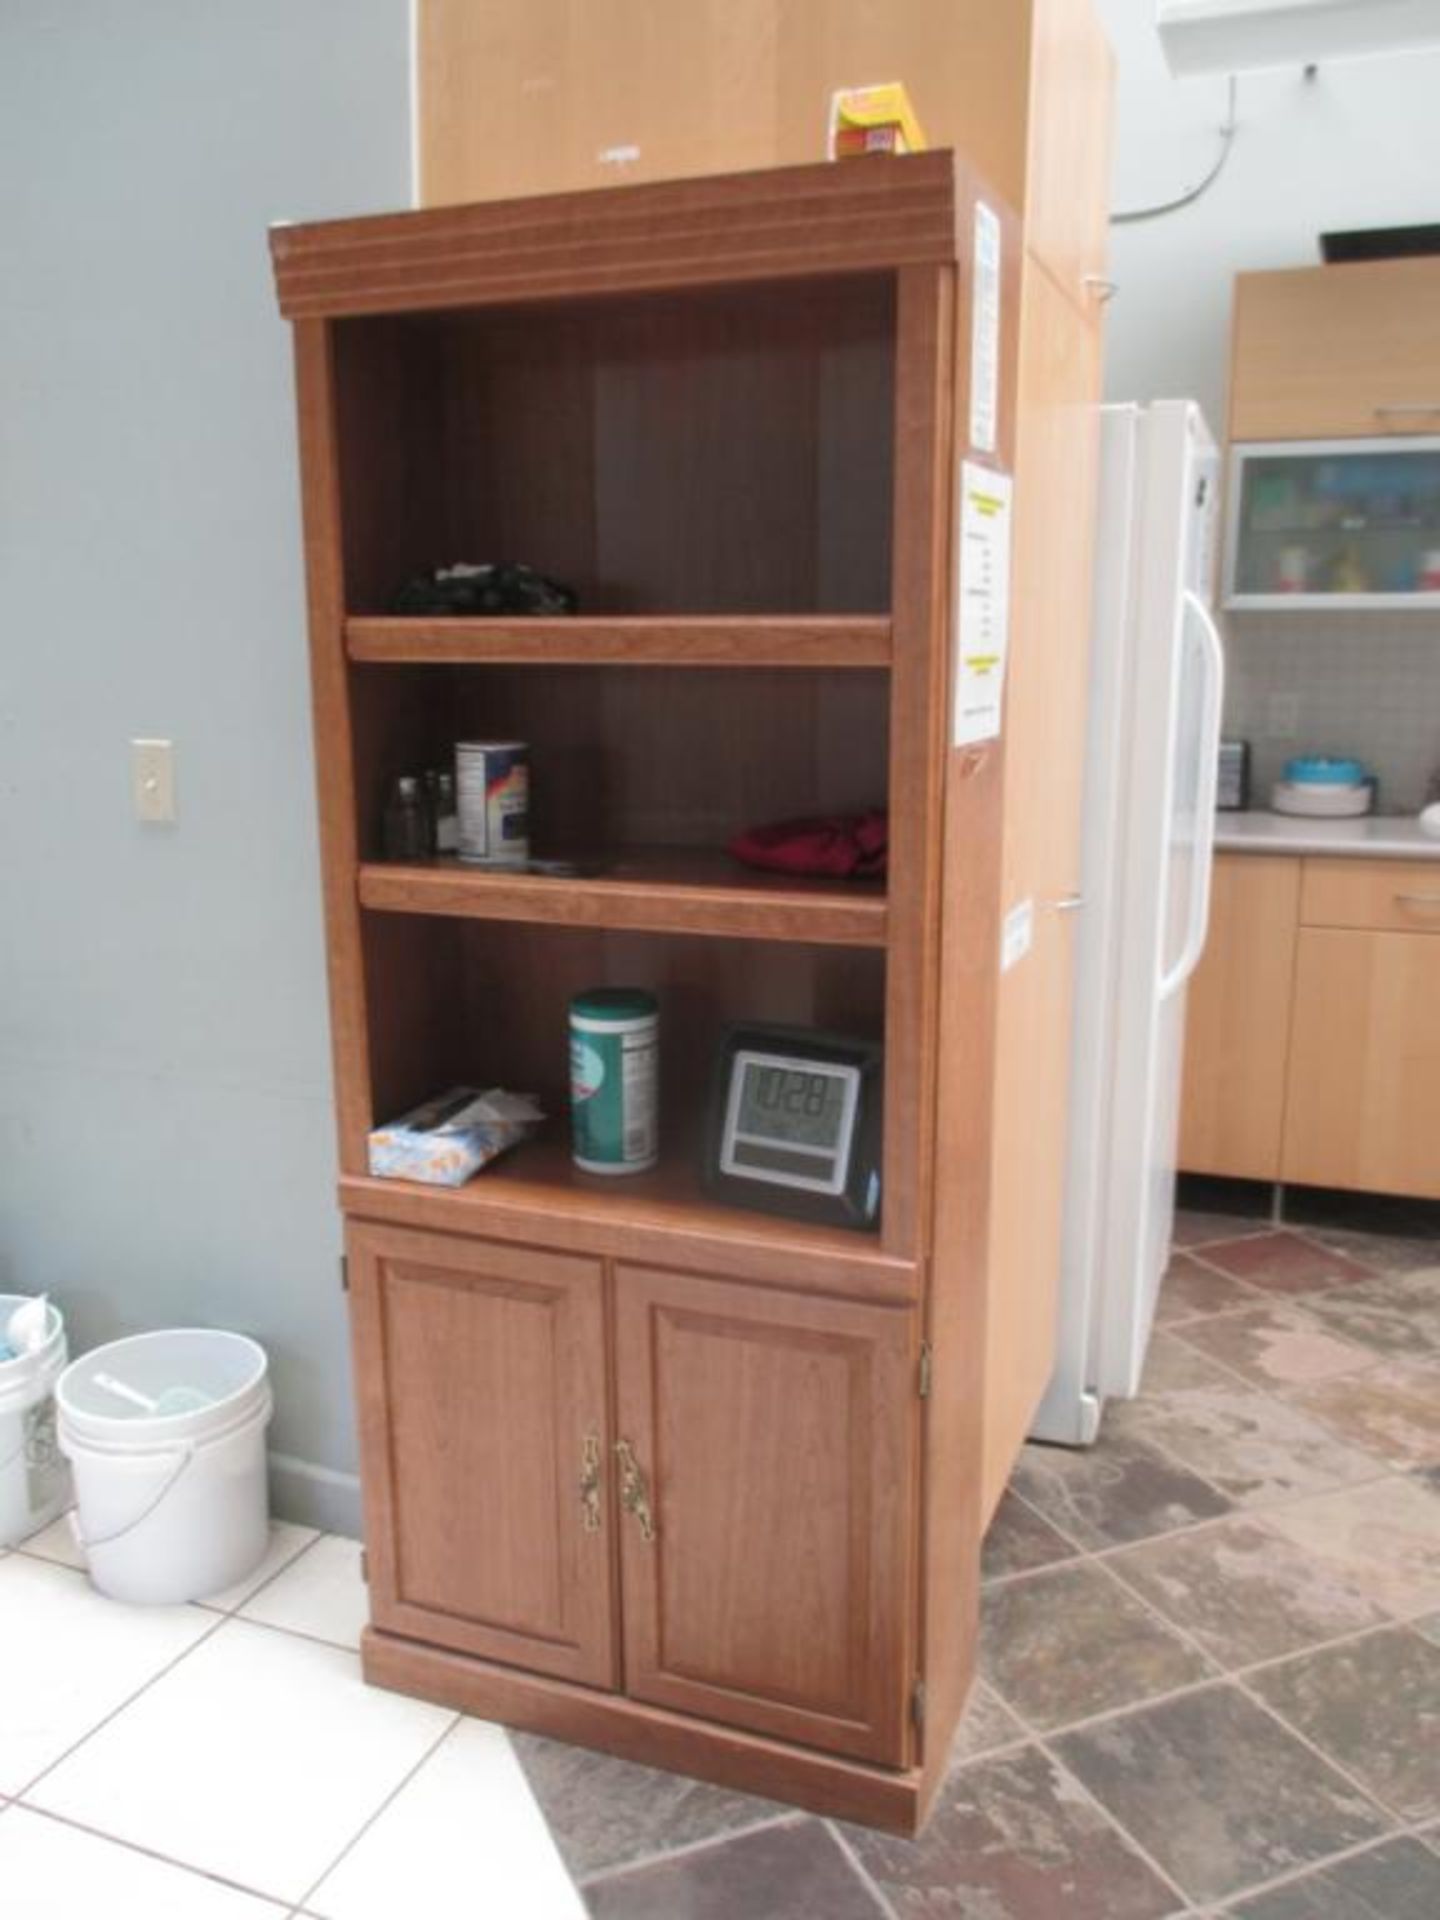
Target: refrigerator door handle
point(1213, 656)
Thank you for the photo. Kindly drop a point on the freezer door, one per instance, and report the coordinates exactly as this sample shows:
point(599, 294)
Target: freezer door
point(1154, 730)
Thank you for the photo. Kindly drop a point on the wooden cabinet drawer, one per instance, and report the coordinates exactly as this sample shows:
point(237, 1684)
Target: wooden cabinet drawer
point(1326, 352)
point(1363, 1105)
point(1387, 896)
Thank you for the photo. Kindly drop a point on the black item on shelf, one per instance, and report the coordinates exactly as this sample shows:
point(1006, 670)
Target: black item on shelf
point(795, 1126)
point(441, 805)
point(1232, 784)
point(465, 590)
point(407, 828)
point(1379, 243)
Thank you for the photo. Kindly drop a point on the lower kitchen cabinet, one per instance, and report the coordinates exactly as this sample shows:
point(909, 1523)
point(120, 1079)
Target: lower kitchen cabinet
point(737, 1542)
point(777, 1439)
point(480, 1371)
point(1364, 1101)
point(1237, 1022)
point(1312, 1038)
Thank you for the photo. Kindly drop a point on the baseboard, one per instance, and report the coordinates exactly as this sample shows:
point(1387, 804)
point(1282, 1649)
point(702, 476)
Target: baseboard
point(315, 1496)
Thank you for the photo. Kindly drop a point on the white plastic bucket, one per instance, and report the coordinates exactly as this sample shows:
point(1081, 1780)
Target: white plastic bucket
point(169, 1506)
point(34, 1485)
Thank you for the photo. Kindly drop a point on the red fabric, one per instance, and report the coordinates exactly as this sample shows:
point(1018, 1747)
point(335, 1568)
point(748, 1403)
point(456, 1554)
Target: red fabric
point(843, 846)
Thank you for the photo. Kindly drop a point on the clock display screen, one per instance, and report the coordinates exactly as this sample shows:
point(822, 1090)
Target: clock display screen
point(792, 1103)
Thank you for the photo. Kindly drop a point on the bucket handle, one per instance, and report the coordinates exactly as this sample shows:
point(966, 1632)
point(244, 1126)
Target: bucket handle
point(182, 1461)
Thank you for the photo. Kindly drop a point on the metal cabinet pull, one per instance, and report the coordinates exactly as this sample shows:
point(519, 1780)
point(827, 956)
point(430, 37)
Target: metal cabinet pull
point(1067, 903)
point(1400, 409)
point(1104, 290)
point(634, 1494)
point(1417, 900)
point(590, 1458)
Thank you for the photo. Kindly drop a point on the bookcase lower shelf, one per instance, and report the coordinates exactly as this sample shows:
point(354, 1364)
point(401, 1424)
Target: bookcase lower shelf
point(892, 1799)
point(537, 1195)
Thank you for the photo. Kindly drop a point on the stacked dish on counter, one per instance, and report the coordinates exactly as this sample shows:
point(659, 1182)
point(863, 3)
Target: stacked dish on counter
point(1322, 788)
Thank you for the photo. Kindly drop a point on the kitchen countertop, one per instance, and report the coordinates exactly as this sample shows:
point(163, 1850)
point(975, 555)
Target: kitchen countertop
point(1373, 836)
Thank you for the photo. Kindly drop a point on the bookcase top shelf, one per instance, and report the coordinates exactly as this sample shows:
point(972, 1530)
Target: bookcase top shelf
point(780, 640)
point(860, 216)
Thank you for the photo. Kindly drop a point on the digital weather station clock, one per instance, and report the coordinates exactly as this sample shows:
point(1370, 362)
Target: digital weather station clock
point(795, 1124)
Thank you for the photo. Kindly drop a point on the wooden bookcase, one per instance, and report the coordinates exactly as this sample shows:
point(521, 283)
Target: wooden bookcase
point(729, 412)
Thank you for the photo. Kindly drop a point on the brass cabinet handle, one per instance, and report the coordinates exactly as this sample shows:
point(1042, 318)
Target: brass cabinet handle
point(590, 1484)
point(634, 1494)
point(1428, 900)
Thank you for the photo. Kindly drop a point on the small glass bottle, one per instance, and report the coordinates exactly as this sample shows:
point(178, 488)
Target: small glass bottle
point(407, 822)
point(444, 823)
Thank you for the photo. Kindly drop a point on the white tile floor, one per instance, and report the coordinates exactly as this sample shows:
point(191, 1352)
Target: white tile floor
point(225, 1761)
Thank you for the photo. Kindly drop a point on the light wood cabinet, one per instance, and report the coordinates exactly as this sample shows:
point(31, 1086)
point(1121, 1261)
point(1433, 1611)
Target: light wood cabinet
point(1046, 696)
point(1032, 1041)
point(774, 1440)
point(1067, 188)
point(1237, 1034)
point(1336, 352)
point(1364, 1094)
point(556, 96)
point(1312, 1045)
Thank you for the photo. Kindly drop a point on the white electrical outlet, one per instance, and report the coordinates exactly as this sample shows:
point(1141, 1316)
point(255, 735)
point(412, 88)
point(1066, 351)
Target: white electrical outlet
point(152, 780)
point(1282, 716)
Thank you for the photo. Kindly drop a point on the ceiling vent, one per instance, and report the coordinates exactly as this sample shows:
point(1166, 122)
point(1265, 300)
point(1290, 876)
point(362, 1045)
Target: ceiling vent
point(1230, 36)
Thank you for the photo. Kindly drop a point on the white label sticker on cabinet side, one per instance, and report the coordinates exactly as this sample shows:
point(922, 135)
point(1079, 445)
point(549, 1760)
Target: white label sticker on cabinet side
point(1017, 934)
point(985, 330)
point(982, 603)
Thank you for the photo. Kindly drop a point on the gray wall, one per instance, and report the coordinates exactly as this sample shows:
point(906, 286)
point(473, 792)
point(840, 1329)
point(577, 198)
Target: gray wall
point(166, 1148)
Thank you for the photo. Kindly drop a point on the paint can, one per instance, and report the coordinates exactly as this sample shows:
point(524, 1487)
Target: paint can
point(614, 1079)
point(492, 802)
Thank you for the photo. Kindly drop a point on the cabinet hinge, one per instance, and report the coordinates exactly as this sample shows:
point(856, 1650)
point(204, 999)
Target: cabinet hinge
point(917, 1704)
point(923, 1384)
point(344, 1273)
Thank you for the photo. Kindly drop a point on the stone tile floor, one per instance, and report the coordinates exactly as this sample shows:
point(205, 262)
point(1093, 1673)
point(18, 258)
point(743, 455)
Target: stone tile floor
point(1210, 1683)
point(1210, 1673)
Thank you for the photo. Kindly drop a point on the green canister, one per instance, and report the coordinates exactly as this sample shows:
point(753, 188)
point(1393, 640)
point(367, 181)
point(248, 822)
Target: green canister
point(614, 1073)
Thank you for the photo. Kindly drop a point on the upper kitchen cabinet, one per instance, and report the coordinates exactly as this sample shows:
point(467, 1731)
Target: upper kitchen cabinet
point(1334, 494)
point(553, 97)
point(1352, 523)
point(1327, 353)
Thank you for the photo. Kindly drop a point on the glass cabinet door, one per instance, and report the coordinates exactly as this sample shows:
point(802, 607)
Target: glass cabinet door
point(1345, 522)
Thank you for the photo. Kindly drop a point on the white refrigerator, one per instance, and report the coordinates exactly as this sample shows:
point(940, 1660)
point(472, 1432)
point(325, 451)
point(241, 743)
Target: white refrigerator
point(1156, 686)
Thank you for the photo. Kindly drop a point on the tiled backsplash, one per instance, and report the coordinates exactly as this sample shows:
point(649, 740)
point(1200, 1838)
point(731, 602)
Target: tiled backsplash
point(1364, 684)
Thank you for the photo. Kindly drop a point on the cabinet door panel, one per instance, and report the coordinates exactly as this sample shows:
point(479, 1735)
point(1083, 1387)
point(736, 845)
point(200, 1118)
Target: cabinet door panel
point(1067, 199)
point(1364, 1098)
point(1336, 352)
point(482, 1384)
point(1237, 1023)
point(777, 1438)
